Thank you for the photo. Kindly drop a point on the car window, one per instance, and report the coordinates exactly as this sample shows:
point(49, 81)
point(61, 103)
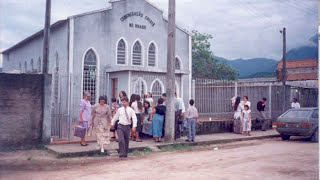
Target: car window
point(315, 114)
point(296, 114)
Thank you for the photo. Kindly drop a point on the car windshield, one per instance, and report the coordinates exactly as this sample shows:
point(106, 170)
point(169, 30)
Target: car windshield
point(296, 114)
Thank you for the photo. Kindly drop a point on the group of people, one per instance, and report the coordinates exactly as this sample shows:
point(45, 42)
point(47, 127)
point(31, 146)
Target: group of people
point(242, 115)
point(127, 119)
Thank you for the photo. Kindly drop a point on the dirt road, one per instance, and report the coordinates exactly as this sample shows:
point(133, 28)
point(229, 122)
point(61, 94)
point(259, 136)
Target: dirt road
point(258, 159)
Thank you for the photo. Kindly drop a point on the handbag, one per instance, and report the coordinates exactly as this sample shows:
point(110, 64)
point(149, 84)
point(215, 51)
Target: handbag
point(80, 131)
point(90, 131)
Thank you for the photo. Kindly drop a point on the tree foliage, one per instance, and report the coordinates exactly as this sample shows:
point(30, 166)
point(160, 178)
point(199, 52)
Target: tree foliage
point(204, 65)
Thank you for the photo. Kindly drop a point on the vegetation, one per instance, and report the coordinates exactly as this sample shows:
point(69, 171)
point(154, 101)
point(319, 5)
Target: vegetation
point(204, 64)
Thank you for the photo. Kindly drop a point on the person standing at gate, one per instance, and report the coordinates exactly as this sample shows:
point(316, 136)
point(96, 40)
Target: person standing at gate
point(85, 115)
point(295, 103)
point(262, 116)
point(237, 108)
point(246, 101)
point(246, 116)
point(179, 113)
point(192, 120)
point(101, 114)
point(126, 117)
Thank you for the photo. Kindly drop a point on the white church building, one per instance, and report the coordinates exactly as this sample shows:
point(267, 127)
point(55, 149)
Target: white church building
point(119, 48)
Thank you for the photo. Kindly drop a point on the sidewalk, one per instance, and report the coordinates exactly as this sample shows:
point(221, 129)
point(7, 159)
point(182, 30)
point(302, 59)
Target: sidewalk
point(73, 150)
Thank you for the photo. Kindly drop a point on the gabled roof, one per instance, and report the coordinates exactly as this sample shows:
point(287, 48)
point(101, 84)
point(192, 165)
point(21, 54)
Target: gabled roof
point(82, 14)
point(56, 24)
point(296, 64)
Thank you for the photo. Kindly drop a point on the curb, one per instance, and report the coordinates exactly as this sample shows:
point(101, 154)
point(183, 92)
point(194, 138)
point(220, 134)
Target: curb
point(108, 152)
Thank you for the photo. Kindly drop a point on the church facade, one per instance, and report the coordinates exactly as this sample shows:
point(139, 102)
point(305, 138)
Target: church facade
point(119, 48)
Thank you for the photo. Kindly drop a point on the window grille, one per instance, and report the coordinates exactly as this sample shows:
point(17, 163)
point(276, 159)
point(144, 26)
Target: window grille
point(20, 67)
point(89, 74)
point(152, 55)
point(39, 64)
point(140, 87)
point(156, 91)
point(25, 67)
point(31, 65)
point(177, 64)
point(121, 54)
point(137, 54)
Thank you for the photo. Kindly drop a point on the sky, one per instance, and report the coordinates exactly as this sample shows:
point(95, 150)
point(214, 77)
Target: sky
point(240, 28)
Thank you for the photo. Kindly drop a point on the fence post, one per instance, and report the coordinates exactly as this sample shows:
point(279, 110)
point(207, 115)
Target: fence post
point(193, 95)
point(270, 96)
point(235, 89)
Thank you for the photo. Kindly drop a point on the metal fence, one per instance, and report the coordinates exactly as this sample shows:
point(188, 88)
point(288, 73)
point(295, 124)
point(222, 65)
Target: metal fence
point(213, 97)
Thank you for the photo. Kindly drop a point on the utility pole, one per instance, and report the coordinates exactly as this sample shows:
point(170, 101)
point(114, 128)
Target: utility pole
point(170, 112)
point(284, 69)
point(46, 101)
point(46, 33)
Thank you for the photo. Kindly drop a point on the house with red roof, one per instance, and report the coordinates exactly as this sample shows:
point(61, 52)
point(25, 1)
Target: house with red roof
point(300, 72)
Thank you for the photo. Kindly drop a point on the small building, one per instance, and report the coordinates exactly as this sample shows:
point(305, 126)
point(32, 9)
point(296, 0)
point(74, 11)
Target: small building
point(119, 48)
point(301, 73)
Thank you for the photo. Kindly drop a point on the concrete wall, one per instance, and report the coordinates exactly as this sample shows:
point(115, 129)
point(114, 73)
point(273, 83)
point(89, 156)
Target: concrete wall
point(20, 110)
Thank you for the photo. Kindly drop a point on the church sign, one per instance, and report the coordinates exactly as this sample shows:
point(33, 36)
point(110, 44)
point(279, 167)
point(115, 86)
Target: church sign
point(138, 14)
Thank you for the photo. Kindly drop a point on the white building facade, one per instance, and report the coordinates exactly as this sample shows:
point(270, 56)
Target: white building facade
point(119, 48)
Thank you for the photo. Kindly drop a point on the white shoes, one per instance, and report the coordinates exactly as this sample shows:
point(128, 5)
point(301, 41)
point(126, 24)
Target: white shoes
point(102, 150)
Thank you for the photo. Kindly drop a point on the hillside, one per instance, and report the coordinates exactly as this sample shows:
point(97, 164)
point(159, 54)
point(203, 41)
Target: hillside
point(263, 67)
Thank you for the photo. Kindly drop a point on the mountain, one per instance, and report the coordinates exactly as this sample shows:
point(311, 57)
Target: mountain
point(263, 67)
point(249, 68)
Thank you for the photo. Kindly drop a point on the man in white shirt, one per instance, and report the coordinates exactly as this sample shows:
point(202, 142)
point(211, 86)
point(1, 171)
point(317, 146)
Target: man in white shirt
point(295, 103)
point(124, 115)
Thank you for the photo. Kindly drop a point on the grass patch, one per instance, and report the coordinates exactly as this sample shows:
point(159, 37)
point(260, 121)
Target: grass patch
point(176, 147)
point(145, 151)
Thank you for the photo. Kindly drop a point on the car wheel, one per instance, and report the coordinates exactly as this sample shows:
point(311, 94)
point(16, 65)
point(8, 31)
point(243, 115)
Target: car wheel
point(285, 137)
point(315, 136)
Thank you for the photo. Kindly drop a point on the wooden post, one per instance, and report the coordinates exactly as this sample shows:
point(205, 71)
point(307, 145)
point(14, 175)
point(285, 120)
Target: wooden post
point(284, 69)
point(46, 33)
point(170, 112)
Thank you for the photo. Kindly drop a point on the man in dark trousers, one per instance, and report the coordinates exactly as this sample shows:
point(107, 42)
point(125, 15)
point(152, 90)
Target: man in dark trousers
point(262, 116)
point(124, 115)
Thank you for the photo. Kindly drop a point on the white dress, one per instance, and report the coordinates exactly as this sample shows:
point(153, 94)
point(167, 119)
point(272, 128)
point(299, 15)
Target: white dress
point(246, 120)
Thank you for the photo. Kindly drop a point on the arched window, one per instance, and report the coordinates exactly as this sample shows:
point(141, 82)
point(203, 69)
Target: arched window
point(39, 64)
point(25, 67)
point(121, 52)
point(31, 65)
point(156, 91)
point(152, 55)
point(89, 74)
point(177, 64)
point(137, 54)
point(140, 87)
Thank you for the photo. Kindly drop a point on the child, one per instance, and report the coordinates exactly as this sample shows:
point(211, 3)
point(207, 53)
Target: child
point(246, 116)
point(114, 107)
point(192, 119)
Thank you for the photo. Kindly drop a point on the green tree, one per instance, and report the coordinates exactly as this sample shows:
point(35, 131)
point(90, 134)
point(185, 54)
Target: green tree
point(204, 65)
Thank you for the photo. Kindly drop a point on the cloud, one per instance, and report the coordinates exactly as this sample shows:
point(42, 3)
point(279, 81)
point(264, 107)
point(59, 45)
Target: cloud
point(240, 29)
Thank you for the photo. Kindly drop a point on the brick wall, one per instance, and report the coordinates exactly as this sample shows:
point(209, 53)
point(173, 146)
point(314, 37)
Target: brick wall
point(20, 110)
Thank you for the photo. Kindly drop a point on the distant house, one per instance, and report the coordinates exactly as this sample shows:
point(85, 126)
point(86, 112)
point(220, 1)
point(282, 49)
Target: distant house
point(301, 73)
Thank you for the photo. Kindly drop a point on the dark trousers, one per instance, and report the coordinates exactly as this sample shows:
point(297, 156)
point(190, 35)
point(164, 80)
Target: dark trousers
point(177, 133)
point(123, 134)
point(263, 120)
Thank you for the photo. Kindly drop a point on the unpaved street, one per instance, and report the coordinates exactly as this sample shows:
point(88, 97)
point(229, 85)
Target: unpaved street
point(257, 159)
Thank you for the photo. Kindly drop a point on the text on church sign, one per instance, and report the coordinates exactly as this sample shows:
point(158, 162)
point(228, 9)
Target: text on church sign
point(138, 14)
